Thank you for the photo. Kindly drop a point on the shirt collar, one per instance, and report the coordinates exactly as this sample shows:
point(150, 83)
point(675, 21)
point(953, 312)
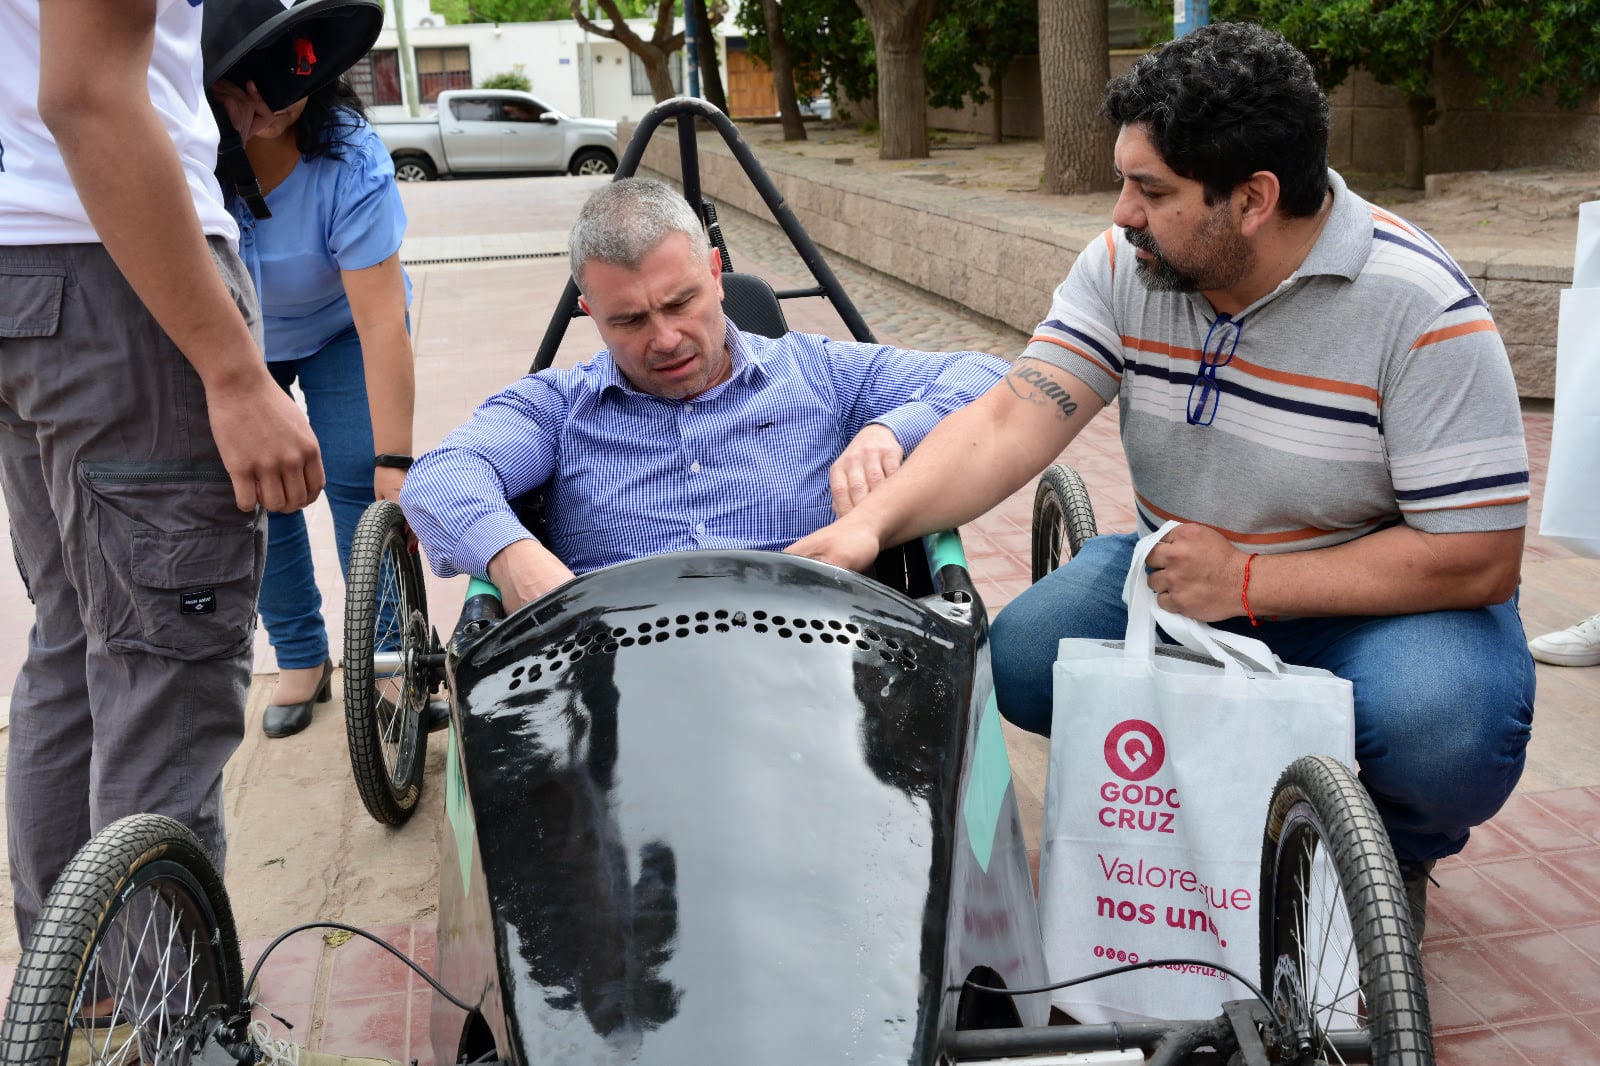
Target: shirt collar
point(1345, 242)
point(1341, 249)
point(746, 357)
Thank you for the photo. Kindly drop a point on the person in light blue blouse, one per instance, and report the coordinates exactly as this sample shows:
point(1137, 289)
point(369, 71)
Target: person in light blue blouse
point(685, 433)
point(333, 300)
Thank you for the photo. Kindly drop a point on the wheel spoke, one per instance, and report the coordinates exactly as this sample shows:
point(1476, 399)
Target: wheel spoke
point(386, 681)
point(391, 614)
point(134, 947)
point(1336, 898)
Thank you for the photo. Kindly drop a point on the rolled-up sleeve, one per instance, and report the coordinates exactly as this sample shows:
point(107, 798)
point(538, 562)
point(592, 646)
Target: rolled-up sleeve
point(906, 390)
point(457, 496)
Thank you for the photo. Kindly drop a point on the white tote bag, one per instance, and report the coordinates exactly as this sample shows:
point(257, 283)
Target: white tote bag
point(1162, 763)
point(1571, 512)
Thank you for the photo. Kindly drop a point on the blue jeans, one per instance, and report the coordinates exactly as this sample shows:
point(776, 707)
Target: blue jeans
point(1443, 699)
point(335, 387)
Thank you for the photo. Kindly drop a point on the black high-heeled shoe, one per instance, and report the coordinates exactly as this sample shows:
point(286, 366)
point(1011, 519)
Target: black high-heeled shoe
point(287, 719)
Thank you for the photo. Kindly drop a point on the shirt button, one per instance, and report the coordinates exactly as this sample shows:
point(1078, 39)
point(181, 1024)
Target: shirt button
point(700, 527)
point(694, 468)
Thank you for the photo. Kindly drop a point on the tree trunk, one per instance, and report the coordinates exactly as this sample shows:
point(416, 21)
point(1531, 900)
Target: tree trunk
point(659, 73)
point(897, 30)
point(997, 93)
point(1074, 66)
point(1423, 113)
point(706, 51)
point(652, 53)
point(794, 127)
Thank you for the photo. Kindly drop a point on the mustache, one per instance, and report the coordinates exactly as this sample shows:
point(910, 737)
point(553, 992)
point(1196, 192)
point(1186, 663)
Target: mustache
point(1142, 240)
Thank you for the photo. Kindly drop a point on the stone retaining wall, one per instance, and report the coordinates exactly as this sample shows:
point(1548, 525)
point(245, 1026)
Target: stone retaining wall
point(1003, 258)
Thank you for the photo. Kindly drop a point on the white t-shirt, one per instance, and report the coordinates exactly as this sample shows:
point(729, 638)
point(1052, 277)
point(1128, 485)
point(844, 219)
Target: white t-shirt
point(38, 204)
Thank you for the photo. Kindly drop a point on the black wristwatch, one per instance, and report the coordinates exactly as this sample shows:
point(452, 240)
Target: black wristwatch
point(397, 462)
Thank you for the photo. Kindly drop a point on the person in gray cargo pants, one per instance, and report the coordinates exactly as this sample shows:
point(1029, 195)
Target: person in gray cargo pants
point(140, 433)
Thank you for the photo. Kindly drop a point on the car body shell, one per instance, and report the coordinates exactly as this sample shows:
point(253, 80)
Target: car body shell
point(730, 806)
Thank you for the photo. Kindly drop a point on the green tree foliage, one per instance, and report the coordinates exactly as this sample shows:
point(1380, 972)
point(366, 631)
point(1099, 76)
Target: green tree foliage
point(456, 11)
point(829, 42)
point(970, 46)
point(1518, 48)
point(515, 78)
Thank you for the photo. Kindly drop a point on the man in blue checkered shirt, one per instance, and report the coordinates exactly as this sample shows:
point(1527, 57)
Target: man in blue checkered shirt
point(685, 433)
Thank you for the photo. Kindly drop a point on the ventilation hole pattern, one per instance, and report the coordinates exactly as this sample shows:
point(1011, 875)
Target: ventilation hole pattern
point(606, 641)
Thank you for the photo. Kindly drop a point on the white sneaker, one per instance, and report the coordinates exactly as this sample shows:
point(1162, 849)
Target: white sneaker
point(1577, 645)
point(275, 1051)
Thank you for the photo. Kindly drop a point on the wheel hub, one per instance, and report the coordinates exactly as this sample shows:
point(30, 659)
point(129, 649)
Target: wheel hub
point(1297, 1038)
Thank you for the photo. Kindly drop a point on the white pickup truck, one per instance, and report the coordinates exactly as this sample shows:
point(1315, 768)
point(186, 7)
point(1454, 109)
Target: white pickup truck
point(482, 131)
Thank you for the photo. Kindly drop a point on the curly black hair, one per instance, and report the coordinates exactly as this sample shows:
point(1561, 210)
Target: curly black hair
point(1228, 100)
point(330, 121)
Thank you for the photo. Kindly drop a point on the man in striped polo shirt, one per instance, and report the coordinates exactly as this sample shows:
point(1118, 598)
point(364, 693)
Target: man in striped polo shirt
point(1308, 383)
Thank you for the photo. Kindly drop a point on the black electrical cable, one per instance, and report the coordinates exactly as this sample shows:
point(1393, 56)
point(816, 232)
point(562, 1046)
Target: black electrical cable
point(1132, 966)
point(384, 944)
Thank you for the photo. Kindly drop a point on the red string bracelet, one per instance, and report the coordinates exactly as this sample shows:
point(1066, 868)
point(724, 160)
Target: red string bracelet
point(1244, 593)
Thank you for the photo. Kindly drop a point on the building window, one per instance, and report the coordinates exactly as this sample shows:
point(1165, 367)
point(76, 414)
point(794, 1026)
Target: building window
point(439, 69)
point(376, 78)
point(641, 80)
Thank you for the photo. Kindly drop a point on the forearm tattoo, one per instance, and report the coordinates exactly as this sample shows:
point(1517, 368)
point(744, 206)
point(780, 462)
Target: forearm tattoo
point(1034, 385)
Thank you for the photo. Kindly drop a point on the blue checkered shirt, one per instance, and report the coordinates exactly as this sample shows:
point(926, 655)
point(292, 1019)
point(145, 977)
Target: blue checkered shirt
point(627, 474)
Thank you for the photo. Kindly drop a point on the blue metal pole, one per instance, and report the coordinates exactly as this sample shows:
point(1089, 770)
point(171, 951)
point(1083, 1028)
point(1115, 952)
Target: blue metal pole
point(691, 50)
point(1189, 15)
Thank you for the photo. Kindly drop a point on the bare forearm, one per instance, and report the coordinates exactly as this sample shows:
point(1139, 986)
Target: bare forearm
point(1400, 570)
point(391, 389)
point(956, 474)
point(94, 96)
point(132, 185)
point(970, 462)
point(983, 453)
point(378, 305)
point(1197, 572)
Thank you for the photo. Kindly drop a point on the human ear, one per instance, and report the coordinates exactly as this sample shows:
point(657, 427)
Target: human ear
point(1257, 200)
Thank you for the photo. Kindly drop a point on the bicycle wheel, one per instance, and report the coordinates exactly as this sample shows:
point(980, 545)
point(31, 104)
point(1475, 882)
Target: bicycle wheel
point(137, 932)
point(1063, 518)
point(1337, 952)
point(385, 617)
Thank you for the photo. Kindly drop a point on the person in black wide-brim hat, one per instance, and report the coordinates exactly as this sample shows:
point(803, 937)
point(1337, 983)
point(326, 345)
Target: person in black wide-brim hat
point(320, 229)
point(262, 57)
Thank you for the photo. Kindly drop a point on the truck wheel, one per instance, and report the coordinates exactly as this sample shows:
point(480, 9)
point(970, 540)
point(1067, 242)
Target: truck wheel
point(593, 161)
point(414, 168)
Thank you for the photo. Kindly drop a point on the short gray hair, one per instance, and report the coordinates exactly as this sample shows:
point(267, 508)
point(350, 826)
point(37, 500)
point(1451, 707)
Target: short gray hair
point(624, 221)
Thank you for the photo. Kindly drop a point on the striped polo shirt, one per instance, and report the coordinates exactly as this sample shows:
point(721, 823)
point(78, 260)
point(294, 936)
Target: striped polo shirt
point(1370, 388)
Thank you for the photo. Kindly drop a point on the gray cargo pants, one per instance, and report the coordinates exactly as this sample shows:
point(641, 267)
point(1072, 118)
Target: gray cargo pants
point(143, 572)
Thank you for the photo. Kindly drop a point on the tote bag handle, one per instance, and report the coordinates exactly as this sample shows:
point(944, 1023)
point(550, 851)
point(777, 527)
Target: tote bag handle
point(1235, 654)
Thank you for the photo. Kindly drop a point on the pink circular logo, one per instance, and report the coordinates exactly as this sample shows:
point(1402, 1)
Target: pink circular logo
point(1135, 750)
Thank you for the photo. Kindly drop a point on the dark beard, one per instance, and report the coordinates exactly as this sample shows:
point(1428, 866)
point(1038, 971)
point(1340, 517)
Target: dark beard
point(1157, 274)
point(1227, 258)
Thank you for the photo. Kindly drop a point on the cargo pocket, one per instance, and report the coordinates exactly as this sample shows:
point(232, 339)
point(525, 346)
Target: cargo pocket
point(179, 565)
point(22, 570)
point(30, 301)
